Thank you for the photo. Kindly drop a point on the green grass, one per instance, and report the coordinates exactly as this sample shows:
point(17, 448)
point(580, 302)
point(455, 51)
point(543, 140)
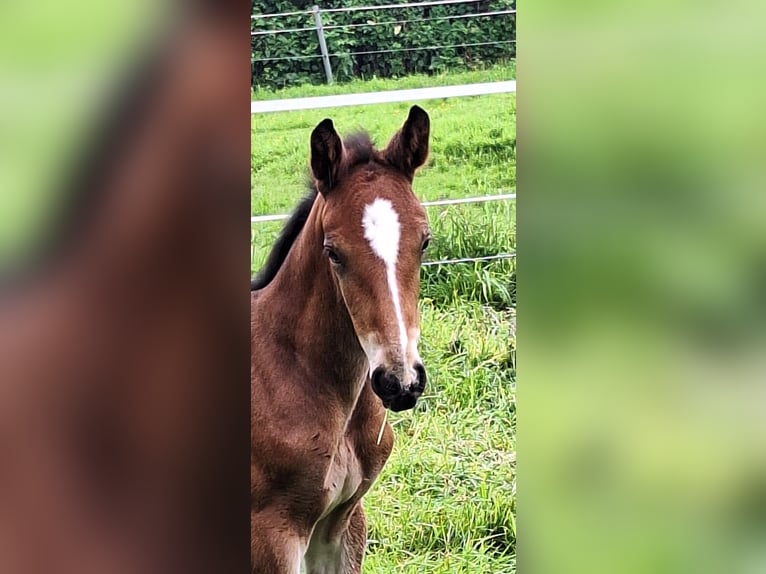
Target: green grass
point(445, 502)
point(492, 73)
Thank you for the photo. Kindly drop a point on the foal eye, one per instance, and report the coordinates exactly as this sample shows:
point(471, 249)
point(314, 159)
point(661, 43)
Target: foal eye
point(425, 244)
point(332, 255)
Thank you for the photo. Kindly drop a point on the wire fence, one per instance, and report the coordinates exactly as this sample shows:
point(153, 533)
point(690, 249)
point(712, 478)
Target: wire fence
point(372, 24)
point(367, 8)
point(438, 203)
point(389, 51)
point(469, 259)
point(343, 56)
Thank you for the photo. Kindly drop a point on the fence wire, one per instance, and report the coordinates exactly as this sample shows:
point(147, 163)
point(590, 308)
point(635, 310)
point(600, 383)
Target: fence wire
point(426, 48)
point(407, 5)
point(437, 203)
point(279, 15)
point(499, 256)
point(367, 52)
point(282, 58)
point(289, 31)
point(413, 20)
point(387, 23)
point(367, 8)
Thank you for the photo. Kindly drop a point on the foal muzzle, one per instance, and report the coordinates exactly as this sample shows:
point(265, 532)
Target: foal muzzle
point(394, 394)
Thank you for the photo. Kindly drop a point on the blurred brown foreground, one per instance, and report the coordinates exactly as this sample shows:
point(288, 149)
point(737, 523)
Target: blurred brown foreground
point(124, 356)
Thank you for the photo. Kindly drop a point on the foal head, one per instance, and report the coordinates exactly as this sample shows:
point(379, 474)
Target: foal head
point(375, 232)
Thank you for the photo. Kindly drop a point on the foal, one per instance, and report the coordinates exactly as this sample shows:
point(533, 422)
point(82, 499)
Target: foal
point(334, 334)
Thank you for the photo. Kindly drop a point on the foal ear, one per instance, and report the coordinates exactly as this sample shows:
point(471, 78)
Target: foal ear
point(408, 149)
point(326, 155)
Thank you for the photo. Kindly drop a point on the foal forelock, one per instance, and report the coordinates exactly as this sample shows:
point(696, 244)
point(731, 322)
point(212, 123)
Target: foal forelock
point(383, 232)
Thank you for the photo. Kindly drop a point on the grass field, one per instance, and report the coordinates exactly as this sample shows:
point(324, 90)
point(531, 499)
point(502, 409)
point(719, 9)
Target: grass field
point(445, 502)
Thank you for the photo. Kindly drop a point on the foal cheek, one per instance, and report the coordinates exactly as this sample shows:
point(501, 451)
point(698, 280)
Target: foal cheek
point(410, 296)
point(368, 301)
point(355, 298)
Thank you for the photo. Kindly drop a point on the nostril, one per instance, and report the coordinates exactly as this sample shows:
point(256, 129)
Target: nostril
point(384, 383)
point(420, 383)
point(377, 374)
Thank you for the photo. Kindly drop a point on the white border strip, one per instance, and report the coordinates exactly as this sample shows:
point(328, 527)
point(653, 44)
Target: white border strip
point(369, 98)
point(498, 197)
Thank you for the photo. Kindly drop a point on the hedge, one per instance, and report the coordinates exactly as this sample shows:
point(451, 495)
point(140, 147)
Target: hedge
point(417, 32)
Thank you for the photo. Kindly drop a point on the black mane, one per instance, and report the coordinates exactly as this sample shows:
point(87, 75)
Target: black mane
point(284, 242)
point(359, 149)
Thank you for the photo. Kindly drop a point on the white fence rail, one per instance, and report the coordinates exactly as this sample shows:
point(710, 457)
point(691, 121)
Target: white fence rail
point(364, 99)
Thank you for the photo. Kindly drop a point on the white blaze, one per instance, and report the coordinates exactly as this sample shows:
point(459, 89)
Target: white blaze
point(382, 231)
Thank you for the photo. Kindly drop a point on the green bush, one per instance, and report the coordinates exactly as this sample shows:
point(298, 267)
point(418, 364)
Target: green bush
point(419, 31)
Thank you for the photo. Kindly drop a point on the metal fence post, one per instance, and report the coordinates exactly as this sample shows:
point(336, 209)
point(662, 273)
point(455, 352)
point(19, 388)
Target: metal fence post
point(322, 44)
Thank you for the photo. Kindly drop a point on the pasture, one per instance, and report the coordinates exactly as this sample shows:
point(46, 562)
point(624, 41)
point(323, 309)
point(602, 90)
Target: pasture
point(445, 502)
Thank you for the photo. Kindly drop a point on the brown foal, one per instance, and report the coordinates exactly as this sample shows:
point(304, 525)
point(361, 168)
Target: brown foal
point(334, 334)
